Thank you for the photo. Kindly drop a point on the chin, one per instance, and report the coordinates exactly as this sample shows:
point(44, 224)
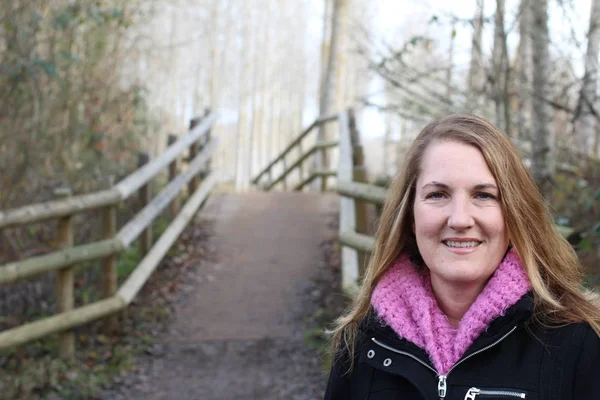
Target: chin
point(465, 276)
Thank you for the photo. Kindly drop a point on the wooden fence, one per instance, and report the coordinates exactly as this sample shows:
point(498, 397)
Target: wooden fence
point(350, 170)
point(199, 146)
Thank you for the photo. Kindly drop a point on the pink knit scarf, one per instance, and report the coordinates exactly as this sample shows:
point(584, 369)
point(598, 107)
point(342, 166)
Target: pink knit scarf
point(404, 300)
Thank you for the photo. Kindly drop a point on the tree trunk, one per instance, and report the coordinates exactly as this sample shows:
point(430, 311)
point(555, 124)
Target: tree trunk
point(541, 168)
point(476, 77)
point(588, 99)
point(332, 94)
point(500, 66)
point(242, 97)
point(450, 63)
point(525, 88)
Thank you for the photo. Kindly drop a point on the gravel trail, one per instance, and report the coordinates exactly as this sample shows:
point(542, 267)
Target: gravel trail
point(240, 320)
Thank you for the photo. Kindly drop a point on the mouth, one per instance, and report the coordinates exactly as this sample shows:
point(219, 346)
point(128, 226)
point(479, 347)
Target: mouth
point(462, 244)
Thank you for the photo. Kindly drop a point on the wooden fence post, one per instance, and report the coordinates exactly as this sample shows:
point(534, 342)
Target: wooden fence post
point(325, 165)
point(109, 266)
point(144, 194)
point(285, 177)
point(193, 185)
point(270, 175)
point(359, 174)
point(64, 281)
point(173, 171)
point(301, 166)
point(207, 138)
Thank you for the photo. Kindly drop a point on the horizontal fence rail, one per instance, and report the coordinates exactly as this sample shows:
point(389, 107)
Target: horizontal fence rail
point(316, 149)
point(200, 147)
point(294, 144)
point(121, 191)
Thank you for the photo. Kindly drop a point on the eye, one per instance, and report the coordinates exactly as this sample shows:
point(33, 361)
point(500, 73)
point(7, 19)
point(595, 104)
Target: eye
point(485, 196)
point(435, 196)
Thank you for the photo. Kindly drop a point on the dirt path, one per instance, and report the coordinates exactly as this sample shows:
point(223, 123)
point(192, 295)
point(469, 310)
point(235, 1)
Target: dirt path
point(239, 334)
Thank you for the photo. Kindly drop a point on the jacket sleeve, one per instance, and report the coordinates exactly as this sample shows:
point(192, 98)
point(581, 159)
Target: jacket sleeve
point(338, 384)
point(587, 371)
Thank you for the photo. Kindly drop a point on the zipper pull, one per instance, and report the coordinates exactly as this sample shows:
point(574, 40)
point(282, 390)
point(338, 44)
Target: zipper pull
point(472, 393)
point(442, 387)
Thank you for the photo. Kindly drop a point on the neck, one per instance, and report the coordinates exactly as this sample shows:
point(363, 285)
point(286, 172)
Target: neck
point(454, 300)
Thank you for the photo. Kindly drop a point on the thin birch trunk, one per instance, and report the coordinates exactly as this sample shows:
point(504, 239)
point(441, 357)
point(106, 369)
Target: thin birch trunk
point(525, 87)
point(476, 78)
point(500, 66)
point(253, 96)
point(242, 99)
point(333, 91)
point(450, 70)
point(588, 101)
point(541, 168)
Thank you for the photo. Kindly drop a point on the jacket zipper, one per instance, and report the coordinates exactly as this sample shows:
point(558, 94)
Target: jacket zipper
point(474, 392)
point(442, 384)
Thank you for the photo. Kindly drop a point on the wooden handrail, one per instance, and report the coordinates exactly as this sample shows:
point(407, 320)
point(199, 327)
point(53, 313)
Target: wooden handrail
point(135, 226)
point(294, 143)
point(310, 152)
point(142, 272)
point(60, 322)
point(53, 261)
point(362, 191)
point(78, 204)
point(357, 241)
point(64, 259)
point(103, 308)
point(56, 260)
point(315, 174)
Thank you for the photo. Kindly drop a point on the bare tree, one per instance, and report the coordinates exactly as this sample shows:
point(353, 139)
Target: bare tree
point(586, 134)
point(498, 78)
point(476, 73)
point(525, 67)
point(449, 73)
point(332, 93)
point(541, 168)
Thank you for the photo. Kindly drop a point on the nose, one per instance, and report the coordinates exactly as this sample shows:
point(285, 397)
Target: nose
point(460, 217)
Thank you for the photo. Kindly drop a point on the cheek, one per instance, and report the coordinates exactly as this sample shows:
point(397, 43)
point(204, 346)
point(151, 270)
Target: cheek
point(426, 222)
point(497, 226)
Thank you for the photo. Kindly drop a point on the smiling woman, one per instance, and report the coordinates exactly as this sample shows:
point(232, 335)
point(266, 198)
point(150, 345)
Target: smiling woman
point(458, 224)
point(470, 291)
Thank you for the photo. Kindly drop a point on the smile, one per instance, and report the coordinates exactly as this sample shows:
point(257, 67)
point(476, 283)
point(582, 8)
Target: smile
point(451, 243)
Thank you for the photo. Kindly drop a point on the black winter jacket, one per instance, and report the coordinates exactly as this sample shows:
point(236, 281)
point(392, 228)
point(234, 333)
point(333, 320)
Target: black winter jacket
point(515, 358)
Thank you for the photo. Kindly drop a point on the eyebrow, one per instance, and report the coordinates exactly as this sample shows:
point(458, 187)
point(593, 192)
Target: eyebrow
point(480, 186)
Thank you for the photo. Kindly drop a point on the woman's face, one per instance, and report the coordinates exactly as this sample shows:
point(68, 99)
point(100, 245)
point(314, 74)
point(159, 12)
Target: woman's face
point(458, 220)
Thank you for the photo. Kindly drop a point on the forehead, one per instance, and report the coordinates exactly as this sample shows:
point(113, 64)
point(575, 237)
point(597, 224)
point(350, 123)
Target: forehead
point(453, 162)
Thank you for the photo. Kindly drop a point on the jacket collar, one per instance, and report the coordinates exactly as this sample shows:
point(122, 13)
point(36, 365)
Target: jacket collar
point(518, 315)
point(403, 300)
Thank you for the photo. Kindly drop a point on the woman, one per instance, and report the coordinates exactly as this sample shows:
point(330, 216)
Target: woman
point(471, 293)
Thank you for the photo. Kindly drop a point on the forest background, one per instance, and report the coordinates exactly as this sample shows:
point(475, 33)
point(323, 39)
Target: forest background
point(87, 84)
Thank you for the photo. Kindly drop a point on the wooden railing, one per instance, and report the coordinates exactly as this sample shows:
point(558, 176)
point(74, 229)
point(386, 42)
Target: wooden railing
point(200, 147)
point(350, 168)
point(317, 150)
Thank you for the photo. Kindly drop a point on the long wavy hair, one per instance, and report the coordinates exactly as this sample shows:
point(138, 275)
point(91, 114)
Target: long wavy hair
point(550, 262)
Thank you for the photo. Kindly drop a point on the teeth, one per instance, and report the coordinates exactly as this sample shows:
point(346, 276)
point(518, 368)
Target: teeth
point(461, 244)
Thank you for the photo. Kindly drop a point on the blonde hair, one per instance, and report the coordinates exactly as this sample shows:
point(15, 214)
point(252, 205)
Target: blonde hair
point(550, 262)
